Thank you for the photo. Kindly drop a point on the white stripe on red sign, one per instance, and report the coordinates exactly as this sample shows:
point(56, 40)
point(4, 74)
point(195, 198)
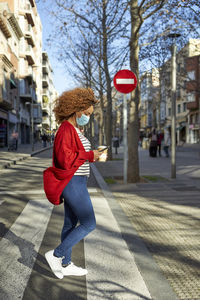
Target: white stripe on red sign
point(125, 81)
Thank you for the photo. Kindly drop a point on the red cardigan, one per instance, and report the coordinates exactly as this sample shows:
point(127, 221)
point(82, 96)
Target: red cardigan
point(68, 155)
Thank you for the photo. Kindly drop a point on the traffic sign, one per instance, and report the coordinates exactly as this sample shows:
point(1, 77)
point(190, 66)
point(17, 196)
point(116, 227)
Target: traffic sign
point(125, 81)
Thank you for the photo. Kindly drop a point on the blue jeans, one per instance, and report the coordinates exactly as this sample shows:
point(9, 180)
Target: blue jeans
point(78, 207)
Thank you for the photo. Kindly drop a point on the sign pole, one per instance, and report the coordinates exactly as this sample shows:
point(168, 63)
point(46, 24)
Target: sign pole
point(125, 82)
point(125, 138)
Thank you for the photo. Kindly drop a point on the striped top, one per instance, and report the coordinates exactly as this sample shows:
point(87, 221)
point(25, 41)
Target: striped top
point(84, 169)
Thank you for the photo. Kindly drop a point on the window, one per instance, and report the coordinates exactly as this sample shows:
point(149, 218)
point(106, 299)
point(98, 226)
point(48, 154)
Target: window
point(178, 92)
point(184, 107)
point(179, 108)
point(191, 75)
point(169, 111)
point(190, 97)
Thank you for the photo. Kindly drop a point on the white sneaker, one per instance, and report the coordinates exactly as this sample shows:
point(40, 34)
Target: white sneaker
point(71, 269)
point(55, 263)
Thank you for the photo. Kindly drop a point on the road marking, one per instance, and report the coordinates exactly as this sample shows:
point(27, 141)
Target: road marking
point(1, 201)
point(31, 192)
point(107, 253)
point(92, 190)
point(19, 248)
point(22, 192)
point(125, 81)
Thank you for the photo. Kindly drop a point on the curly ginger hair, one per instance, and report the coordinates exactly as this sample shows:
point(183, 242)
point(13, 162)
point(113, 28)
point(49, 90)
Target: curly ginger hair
point(72, 101)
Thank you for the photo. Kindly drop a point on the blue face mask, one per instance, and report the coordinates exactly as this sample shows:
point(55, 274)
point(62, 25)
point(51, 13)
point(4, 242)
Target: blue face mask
point(83, 120)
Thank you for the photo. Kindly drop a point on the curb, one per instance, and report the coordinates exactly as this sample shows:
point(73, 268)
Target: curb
point(40, 150)
point(150, 271)
point(14, 161)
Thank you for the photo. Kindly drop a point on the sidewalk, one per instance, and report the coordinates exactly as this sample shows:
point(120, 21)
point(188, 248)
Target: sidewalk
point(164, 215)
point(24, 151)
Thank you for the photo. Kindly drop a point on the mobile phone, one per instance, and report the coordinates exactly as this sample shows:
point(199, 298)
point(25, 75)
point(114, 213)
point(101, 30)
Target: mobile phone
point(103, 149)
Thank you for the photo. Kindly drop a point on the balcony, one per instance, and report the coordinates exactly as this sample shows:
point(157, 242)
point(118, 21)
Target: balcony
point(15, 26)
point(45, 91)
point(30, 18)
point(29, 35)
point(37, 113)
point(4, 27)
point(45, 70)
point(45, 104)
point(32, 3)
point(45, 81)
point(29, 55)
point(45, 120)
point(192, 105)
point(5, 100)
point(27, 11)
point(26, 95)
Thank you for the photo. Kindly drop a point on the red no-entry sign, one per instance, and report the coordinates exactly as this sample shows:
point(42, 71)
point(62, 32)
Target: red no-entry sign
point(125, 81)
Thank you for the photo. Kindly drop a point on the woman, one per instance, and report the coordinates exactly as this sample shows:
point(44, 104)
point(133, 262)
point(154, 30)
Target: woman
point(66, 180)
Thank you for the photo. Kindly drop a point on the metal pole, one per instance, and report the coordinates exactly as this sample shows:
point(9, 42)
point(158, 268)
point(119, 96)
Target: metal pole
point(173, 120)
point(32, 123)
point(125, 138)
point(50, 120)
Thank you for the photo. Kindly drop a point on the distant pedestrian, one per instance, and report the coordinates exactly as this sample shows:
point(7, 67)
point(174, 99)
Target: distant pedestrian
point(160, 137)
point(116, 143)
point(44, 140)
point(167, 142)
point(15, 139)
point(153, 144)
point(67, 180)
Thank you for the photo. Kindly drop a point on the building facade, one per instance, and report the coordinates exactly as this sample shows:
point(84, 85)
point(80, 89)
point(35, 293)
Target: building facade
point(158, 97)
point(22, 78)
point(10, 36)
point(193, 98)
point(49, 95)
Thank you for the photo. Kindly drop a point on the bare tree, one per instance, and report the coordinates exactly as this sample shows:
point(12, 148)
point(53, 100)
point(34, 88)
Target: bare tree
point(149, 20)
point(102, 22)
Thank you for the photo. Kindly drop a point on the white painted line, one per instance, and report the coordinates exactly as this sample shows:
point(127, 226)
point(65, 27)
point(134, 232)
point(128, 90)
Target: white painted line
point(112, 271)
point(35, 192)
point(29, 192)
point(1, 201)
point(19, 248)
point(92, 190)
point(125, 81)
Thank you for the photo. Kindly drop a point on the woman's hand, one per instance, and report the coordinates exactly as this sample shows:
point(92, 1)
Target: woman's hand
point(96, 154)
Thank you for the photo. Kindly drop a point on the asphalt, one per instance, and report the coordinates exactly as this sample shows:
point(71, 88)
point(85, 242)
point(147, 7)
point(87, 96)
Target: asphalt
point(164, 220)
point(24, 151)
point(154, 226)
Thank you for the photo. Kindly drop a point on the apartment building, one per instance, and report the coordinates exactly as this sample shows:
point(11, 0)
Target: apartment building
point(150, 101)
point(193, 98)
point(49, 94)
point(191, 49)
point(27, 91)
point(30, 68)
point(155, 109)
point(10, 36)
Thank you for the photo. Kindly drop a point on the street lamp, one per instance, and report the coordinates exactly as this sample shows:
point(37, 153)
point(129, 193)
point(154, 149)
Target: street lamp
point(173, 36)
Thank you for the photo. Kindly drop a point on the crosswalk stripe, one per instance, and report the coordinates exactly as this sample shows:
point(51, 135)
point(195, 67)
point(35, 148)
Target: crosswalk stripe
point(19, 248)
point(32, 192)
point(22, 192)
point(107, 253)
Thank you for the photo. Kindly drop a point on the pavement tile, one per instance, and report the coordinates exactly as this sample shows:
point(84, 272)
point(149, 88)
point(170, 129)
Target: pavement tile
point(166, 215)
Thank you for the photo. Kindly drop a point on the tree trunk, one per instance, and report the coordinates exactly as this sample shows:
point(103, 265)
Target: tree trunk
point(133, 128)
point(108, 83)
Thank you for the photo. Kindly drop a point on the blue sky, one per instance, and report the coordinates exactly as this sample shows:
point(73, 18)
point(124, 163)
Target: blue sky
point(61, 79)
